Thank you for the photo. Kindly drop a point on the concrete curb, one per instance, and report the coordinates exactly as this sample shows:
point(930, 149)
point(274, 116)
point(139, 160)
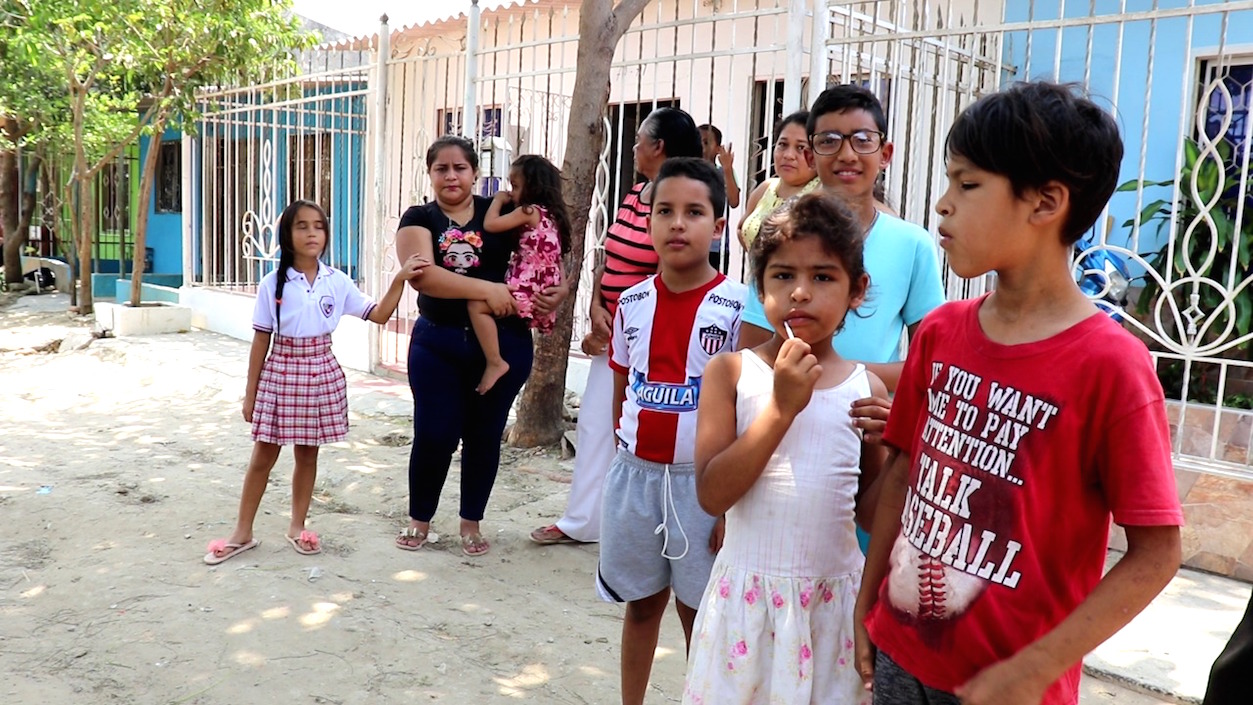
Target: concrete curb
point(1130, 682)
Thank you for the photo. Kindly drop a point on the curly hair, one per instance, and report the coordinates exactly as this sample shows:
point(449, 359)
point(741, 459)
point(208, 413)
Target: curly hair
point(815, 215)
point(542, 186)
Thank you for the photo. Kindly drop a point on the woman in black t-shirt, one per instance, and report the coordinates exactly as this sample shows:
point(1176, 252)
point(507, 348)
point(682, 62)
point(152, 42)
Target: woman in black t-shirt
point(445, 361)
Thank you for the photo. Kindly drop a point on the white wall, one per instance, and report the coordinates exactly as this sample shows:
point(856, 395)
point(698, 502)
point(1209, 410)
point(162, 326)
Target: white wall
point(230, 314)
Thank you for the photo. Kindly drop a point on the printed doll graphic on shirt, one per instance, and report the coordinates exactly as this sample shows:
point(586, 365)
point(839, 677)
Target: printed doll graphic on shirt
point(958, 533)
point(460, 249)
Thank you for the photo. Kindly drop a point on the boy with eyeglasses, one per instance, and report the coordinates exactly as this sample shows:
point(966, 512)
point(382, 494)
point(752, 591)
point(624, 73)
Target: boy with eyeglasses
point(849, 149)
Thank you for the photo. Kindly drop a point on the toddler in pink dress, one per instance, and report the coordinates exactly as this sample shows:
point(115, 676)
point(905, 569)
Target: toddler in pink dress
point(535, 267)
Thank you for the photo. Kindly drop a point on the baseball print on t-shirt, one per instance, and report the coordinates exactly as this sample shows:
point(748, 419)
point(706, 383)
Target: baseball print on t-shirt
point(952, 546)
point(1021, 455)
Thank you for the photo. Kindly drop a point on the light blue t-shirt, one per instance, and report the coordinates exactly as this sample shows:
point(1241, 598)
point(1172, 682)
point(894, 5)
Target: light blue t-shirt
point(904, 286)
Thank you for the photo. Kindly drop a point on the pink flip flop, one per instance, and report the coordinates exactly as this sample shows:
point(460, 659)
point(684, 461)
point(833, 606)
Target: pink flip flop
point(308, 537)
point(234, 549)
point(550, 535)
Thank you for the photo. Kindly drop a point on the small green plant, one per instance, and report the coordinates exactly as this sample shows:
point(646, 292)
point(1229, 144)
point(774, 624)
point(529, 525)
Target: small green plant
point(1202, 385)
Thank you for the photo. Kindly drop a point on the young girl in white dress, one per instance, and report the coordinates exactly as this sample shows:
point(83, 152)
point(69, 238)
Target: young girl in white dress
point(777, 452)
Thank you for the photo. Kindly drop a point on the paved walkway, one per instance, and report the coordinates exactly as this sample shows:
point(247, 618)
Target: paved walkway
point(1168, 648)
point(1164, 655)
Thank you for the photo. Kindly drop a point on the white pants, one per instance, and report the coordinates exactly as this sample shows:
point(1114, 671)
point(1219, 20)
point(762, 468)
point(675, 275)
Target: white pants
point(595, 452)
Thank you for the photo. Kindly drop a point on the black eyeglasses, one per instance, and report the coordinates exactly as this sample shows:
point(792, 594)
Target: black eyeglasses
point(862, 141)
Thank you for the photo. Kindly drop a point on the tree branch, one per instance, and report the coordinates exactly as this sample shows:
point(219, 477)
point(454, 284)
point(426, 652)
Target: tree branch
point(624, 13)
point(124, 143)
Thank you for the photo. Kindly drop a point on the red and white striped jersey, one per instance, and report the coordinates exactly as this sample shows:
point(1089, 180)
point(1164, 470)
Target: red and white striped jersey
point(662, 342)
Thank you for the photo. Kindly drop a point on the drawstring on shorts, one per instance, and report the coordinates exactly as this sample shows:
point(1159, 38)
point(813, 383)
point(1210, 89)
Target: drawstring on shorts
point(667, 505)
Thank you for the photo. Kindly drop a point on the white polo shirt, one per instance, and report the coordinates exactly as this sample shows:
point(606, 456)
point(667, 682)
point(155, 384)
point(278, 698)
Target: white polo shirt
point(309, 311)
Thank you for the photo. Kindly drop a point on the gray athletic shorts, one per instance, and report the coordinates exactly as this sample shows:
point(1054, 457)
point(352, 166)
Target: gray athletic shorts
point(653, 533)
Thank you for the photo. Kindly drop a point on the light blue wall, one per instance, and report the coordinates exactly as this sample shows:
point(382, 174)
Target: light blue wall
point(1174, 76)
point(155, 287)
point(165, 230)
point(347, 114)
point(344, 118)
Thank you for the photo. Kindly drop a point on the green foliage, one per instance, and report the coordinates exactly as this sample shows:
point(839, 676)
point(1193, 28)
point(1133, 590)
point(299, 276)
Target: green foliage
point(131, 58)
point(1229, 247)
point(1202, 385)
point(189, 45)
point(69, 45)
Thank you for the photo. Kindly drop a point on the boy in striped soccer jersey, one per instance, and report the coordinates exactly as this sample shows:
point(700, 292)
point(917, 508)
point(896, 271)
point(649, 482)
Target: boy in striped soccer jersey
point(654, 536)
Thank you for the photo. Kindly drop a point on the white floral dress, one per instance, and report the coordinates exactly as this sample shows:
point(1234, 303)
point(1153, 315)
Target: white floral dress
point(775, 626)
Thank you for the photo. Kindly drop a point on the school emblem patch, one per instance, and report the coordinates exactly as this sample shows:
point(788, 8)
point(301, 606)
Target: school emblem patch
point(327, 304)
point(712, 339)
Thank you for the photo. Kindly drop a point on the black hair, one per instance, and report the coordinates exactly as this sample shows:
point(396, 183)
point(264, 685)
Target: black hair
point(1037, 132)
point(466, 146)
point(697, 170)
point(716, 132)
point(880, 191)
point(287, 249)
point(838, 99)
point(541, 186)
point(800, 117)
point(817, 215)
point(676, 130)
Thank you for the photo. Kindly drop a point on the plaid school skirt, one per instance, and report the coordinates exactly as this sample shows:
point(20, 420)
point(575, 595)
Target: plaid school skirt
point(302, 397)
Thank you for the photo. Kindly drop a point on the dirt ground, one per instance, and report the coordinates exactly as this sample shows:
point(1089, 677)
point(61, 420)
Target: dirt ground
point(119, 462)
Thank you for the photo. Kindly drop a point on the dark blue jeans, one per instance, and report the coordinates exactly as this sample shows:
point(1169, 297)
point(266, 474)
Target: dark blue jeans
point(445, 365)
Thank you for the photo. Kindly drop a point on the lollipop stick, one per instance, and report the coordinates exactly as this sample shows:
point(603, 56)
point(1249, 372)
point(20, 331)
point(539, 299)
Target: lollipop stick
point(788, 328)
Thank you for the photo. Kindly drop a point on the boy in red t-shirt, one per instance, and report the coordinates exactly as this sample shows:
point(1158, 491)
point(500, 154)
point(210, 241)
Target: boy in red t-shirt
point(1023, 420)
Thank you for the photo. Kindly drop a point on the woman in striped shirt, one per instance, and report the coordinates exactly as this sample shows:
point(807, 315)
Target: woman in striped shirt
point(629, 259)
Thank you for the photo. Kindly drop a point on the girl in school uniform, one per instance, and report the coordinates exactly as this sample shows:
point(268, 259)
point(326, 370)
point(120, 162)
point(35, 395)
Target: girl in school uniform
point(297, 394)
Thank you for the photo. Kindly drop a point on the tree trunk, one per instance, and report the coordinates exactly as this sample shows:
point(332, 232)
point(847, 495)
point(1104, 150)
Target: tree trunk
point(86, 238)
point(601, 26)
point(141, 219)
point(85, 228)
point(28, 187)
point(10, 197)
point(71, 249)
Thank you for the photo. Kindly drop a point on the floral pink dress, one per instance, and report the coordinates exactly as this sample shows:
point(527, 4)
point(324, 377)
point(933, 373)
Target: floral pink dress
point(535, 266)
point(775, 626)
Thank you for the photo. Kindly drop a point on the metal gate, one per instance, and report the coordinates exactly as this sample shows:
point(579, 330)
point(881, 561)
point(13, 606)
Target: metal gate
point(113, 246)
point(262, 146)
point(724, 62)
point(1178, 75)
point(1179, 78)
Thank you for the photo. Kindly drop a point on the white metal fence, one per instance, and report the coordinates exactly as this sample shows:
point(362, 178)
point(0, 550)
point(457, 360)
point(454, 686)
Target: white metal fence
point(1179, 78)
point(260, 147)
point(1174, 75)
